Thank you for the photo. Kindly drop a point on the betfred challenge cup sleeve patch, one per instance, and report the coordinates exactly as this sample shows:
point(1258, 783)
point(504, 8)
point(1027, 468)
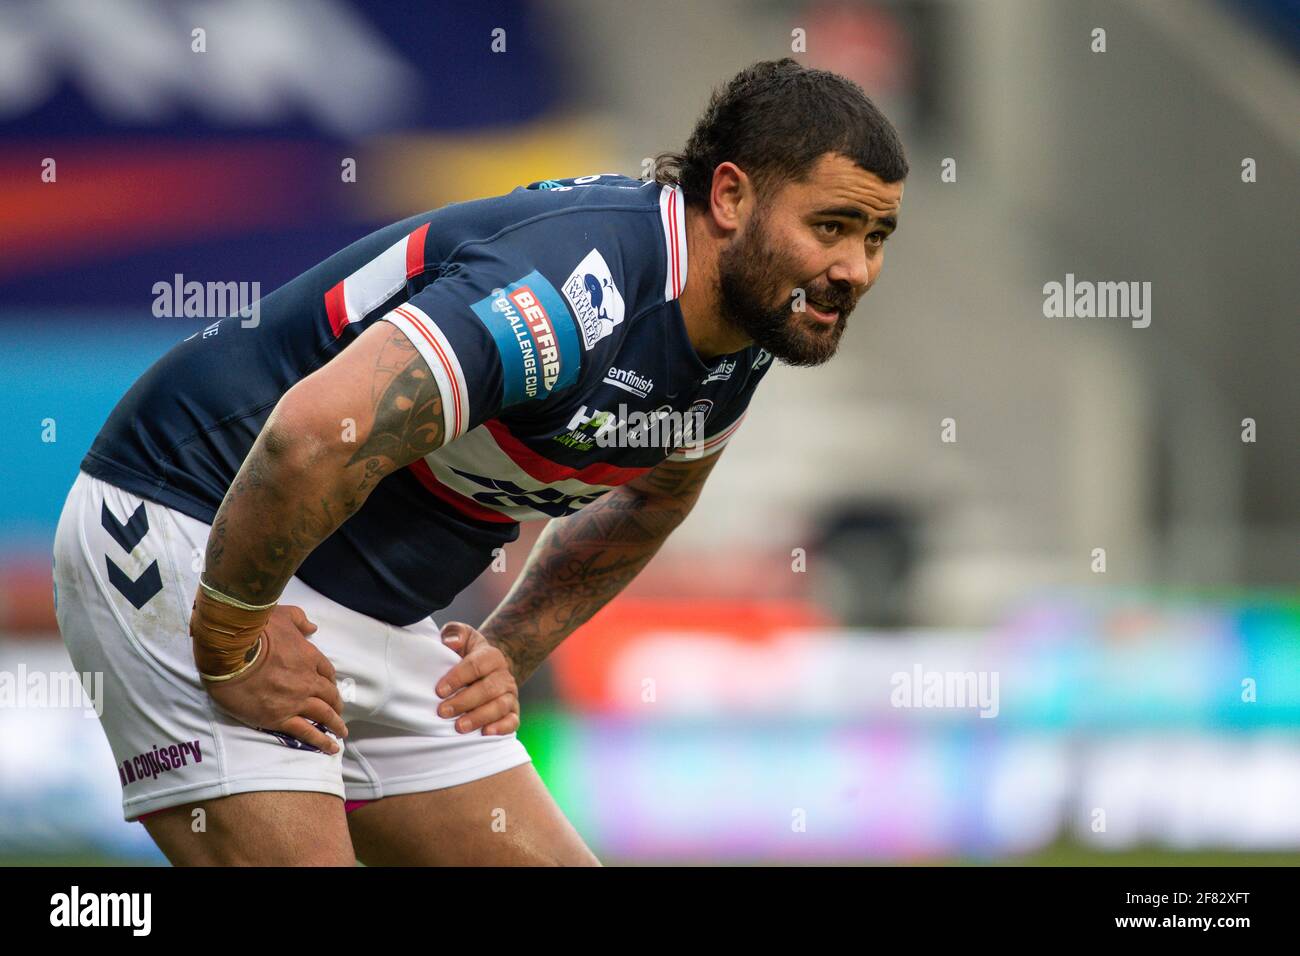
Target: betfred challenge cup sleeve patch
point(534, 336)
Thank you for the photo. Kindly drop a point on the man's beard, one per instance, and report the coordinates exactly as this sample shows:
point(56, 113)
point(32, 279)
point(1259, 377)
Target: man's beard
point(747, 290)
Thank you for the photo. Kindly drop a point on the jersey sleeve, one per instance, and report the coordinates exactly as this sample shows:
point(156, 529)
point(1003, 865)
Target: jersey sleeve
point(721, 422)
point(491, 341)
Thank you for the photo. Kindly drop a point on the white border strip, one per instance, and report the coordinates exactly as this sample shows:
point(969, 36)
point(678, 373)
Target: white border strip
point(438, 354)
point(672, 215)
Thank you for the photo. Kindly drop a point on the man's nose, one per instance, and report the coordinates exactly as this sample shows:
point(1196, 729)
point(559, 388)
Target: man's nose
point(852, 268)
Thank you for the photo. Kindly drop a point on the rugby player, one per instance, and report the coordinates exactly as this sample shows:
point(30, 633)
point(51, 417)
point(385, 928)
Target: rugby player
point(257, 539)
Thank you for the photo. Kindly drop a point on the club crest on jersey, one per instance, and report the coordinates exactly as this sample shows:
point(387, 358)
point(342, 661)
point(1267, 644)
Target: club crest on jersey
point(596, 301)
point(534, 337)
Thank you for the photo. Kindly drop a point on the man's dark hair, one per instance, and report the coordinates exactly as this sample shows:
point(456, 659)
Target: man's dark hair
point(775, 120)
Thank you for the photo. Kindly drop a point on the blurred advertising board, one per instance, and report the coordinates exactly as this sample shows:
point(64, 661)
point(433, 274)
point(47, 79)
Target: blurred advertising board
point(140, 139)
point(706, 733)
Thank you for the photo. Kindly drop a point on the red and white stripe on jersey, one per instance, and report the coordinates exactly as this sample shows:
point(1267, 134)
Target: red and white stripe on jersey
point(711, 446)
point(441, 359)
point(466, 506)
point(374, 283)
point(672, 213)
point(492, 452)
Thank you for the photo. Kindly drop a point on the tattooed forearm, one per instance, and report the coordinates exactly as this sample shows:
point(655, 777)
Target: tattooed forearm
point(329, 442)
point(581, 562)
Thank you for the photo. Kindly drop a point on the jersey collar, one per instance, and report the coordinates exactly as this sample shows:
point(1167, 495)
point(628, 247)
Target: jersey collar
point(672, 215)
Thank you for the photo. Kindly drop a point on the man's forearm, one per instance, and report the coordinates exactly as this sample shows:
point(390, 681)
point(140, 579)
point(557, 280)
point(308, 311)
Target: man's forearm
point(274, 515)
point(577, 566)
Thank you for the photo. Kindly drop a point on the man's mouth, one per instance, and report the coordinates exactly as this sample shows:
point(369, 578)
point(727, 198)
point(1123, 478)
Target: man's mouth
point(823, 312)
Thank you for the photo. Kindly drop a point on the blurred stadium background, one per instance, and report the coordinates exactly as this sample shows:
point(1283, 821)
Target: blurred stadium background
point(735, 704)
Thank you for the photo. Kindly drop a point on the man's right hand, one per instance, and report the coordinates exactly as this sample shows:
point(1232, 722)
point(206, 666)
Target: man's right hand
point(290, 686)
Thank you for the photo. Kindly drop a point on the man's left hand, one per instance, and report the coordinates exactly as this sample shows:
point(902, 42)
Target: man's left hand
point(480, 691)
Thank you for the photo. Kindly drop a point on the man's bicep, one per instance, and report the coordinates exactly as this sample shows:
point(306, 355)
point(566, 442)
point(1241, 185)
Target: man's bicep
point(377, 398)
point(490, 349)
point(408, 407)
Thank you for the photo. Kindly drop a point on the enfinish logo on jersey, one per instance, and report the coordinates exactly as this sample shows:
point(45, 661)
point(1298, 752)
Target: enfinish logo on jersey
point(534, 336)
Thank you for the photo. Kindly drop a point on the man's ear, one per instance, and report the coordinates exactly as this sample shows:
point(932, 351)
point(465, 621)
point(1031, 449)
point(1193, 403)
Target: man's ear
point(731, 196)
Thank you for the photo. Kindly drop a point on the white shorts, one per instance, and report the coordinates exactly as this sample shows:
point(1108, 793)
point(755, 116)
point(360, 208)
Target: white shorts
point(125, 573)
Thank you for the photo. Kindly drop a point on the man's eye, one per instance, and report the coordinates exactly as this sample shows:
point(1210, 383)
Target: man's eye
point(833, 228)
point(879, 238)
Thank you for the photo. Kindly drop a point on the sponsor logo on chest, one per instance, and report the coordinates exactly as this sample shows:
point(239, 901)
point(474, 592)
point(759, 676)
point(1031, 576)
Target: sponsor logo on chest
point(721, 372)
point(662, 427)
point(629, 381)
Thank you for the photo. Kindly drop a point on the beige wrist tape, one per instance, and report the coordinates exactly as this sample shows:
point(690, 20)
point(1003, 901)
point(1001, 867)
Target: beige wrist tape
point(224, 630)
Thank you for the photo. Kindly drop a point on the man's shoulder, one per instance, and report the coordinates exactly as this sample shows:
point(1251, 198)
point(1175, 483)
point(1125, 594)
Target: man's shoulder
point(598, 180)
point(605, 226)
point(550, 206)
point(603, 244)
point(557, 273)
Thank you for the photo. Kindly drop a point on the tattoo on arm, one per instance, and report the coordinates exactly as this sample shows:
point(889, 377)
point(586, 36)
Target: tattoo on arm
point(408, 408)
point(275, 514)
point(581, 562)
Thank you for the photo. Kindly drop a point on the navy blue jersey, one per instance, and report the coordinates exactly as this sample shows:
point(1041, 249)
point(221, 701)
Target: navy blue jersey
point(549, 318)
